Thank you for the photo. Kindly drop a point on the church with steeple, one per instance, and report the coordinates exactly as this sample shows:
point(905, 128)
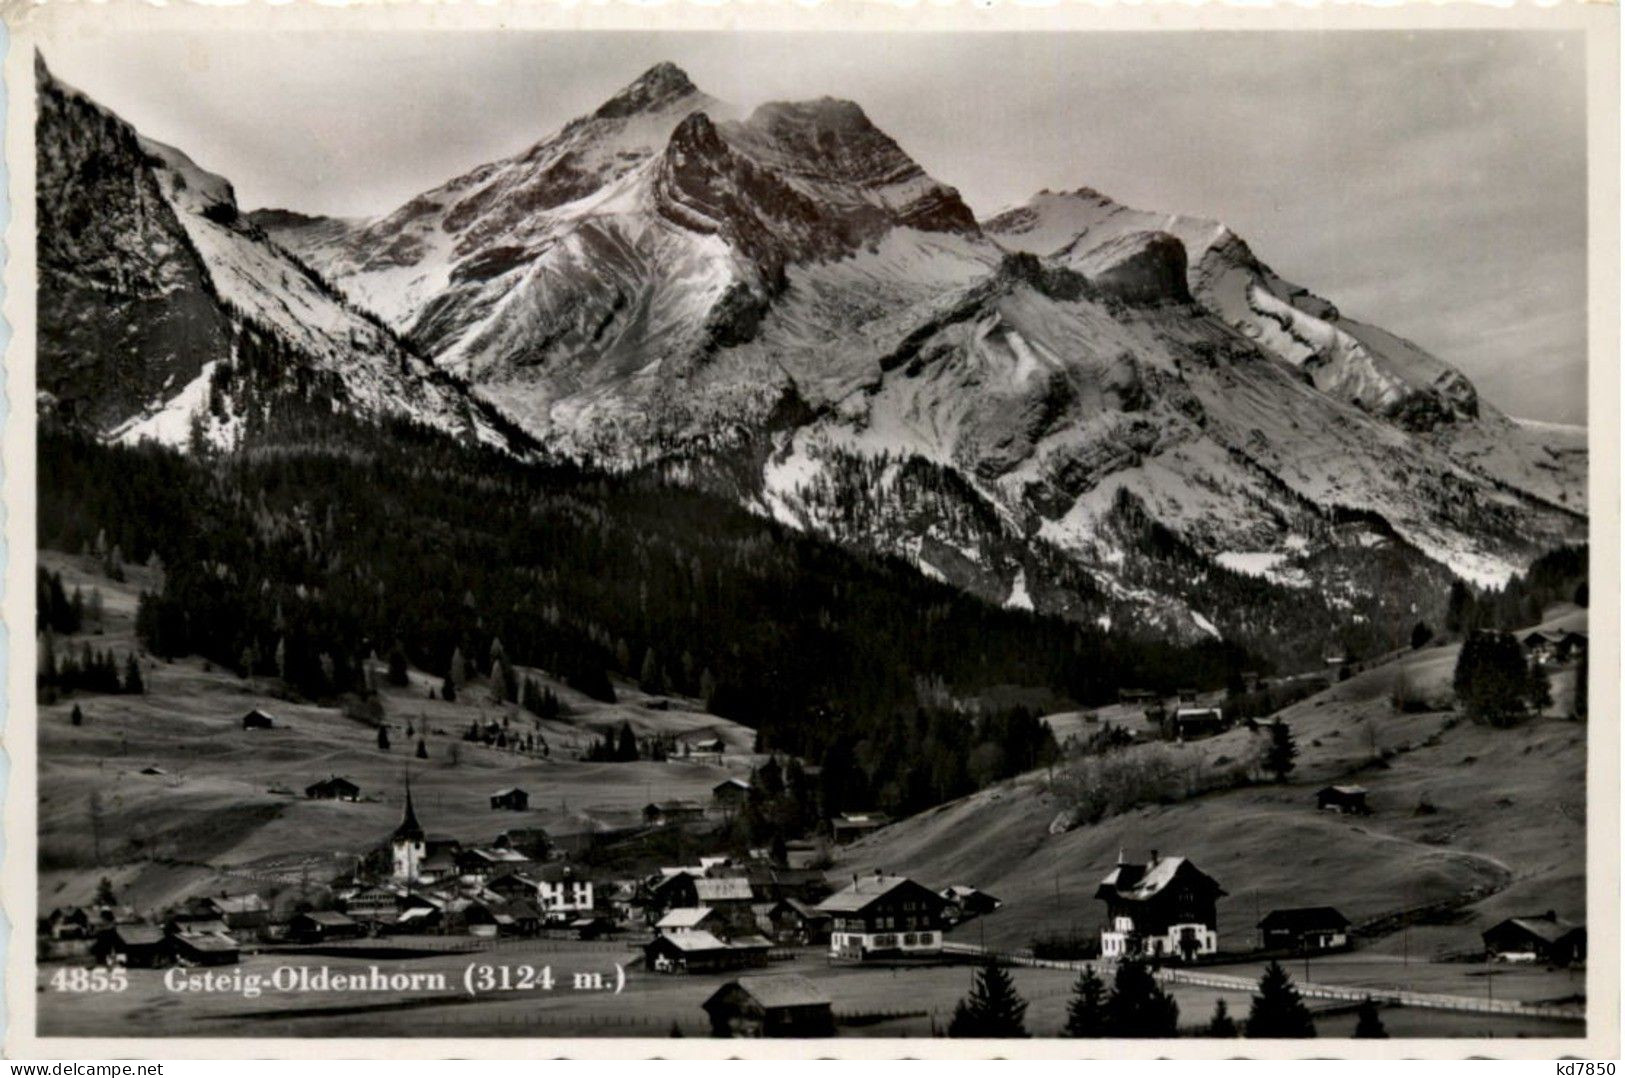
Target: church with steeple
point(409, 844)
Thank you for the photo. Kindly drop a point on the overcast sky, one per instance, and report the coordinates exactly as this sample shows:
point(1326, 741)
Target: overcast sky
point(1433, 183)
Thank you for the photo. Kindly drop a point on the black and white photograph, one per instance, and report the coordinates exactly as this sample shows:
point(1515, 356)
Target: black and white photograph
point(571, 534)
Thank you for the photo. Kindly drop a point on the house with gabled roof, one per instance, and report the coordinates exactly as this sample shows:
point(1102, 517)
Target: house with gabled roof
point(770, 1005)
point(1542, 937)
point(883, 915)
point(1166, 907)
point(1304, 929)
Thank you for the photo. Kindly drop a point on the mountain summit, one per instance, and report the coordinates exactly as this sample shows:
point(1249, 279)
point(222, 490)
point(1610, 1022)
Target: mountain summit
point(1074, 406)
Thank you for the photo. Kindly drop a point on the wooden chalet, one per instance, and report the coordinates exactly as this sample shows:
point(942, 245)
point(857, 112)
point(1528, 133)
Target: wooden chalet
point(701, 952)
point(506, 917)
point(135, 946)
point(1194, 723)
point(964, 902)
point(321, 926)
point(730, 794)
point(241, 913)
point(796, 923)
point(884, 916)
point(563, 893)
point(664, 812)
point(1349, 800)
point(333, 788)
point(487, 862)
point(1304, 930)
point(1553, 645)
point(67, 923)
point(770, 1005)
point(258, 720)
point(513, 799)
point(1544, 938)
point(850, 826)
point(690, 919)
point(533, 842)
point(1166, 907)
point(202, 943)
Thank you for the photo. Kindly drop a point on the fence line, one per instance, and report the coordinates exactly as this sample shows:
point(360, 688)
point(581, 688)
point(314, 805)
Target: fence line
point(1309, 990)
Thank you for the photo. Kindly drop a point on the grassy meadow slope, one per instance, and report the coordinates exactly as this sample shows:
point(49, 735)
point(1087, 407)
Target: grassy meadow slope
point(229, 809)
point(1508, 818)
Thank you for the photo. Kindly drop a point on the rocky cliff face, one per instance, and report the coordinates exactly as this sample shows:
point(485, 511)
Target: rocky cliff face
point(1073, 406)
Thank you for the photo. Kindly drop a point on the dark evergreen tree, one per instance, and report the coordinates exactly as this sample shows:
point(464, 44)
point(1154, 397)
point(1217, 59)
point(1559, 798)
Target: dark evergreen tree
point(132, 675)
point(78, 717)
point(423, 749)
point(1369, 1025)
point(383, 738)
point(1086, 1012)
point(1221, 1024)
point(448, 690)
point(1421, 635)
point(1278, 1010)
point(104, 893)
point(1492, 680)
point(1280, 757)
point(992, 1009)
point(1137, 1006)
point(627, 747)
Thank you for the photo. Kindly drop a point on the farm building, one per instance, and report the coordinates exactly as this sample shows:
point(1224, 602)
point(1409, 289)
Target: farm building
point(1193, 723)
point(1305, 929)
point(730, 793)
point(689, 919)
point(884, 915)
point(533, 842)
point(512, 799)
point(795, 922)
point(136, 946)
point(373, 905)
point(1553, 645)
point(965, 902)
point(203, 943)
point(773, 1005)
point(1345, 799)
point(850, 826)
point(701, 952)
point(803, 853)
point(1137, 696)
point(508, 917)
point(485, 862)
point(1165, 907)
point(258, 720)
point(333, 788)
point(241, 913)
point(420, 914)
point(664, 812)
point(67, 923)
point(1542, 938)
point(319, 926)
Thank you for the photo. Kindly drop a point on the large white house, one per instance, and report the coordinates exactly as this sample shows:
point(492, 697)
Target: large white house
point(1166, 907)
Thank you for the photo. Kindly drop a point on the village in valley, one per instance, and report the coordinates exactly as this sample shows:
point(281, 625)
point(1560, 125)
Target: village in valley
point(1339, 853)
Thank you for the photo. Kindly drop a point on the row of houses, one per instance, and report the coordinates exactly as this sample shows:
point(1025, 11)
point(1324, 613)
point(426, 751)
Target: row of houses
point(1165, 907)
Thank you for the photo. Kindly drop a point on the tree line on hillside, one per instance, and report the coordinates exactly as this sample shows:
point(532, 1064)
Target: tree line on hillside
point(307, 554)
point(1558, 576)
point(1136, 1006)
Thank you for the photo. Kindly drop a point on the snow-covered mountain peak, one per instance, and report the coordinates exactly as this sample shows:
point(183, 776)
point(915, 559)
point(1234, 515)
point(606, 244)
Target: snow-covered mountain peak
point(657, 89)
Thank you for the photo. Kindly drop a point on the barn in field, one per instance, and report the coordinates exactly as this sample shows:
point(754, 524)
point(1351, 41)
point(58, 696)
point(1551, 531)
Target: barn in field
point(1195, 723)
point(850, 826)
point(333, 788)
point(881, 916)
point(258, 720)
point(1346, 799)
point(512, 799)
point(771, 1005)
point(1544, 937)
point(202, 943)
point(1305, 929)
point(1166, 907)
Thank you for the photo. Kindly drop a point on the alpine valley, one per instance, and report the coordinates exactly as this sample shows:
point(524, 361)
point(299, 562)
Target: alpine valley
point(1120, 417)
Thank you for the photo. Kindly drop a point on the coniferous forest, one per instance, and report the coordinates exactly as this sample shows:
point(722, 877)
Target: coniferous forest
point(324, 542)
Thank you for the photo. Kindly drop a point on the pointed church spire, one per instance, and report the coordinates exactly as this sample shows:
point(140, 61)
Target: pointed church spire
point(409, 830)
